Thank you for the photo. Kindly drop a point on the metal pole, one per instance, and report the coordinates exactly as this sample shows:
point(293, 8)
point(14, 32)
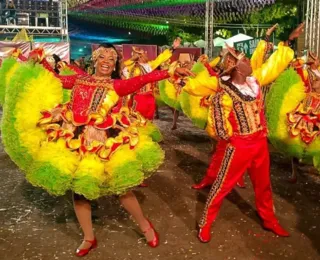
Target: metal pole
point(211, 38)
point(67, 24)
point(206, 27)
point(312, 36)
point(307, 25)
point(318, 36)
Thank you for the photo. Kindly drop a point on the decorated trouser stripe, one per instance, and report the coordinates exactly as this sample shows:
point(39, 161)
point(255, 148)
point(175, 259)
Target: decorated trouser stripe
point(231, 160)
point(265, 90)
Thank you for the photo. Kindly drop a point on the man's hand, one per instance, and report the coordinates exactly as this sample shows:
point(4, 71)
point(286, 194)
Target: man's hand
point(203, 59)
point(135, 57)
point(296, 32)
point(176, 43)
point(271, 30)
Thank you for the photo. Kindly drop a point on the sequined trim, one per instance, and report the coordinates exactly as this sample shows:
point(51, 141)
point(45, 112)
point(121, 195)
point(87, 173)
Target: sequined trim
point(218, 117)
point(95, 82)
point(241, 118)
point(97, 99)
point(217, 185)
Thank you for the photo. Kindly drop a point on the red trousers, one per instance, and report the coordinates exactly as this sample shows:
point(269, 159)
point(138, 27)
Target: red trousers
point(231, 160)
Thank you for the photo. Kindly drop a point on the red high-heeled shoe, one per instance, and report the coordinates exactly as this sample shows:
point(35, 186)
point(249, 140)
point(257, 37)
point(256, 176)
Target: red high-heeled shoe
point(83, 252)
point(155, 241)
point(206, 182)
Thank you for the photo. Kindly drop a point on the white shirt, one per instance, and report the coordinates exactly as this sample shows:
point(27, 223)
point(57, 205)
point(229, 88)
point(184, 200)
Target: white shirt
point(249, 88)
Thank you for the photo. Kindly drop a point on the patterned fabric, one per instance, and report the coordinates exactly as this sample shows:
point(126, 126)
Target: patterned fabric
point(221, 176)
point(246, 116)
point(218, 117)
point(304, 121)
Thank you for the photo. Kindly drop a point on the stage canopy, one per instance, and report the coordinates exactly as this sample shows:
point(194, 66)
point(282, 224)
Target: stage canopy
point(155, 16)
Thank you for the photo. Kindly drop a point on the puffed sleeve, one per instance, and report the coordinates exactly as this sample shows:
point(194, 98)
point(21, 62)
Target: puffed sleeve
point(202, 85)
point(258, 56)
point(129, 86)
point(274, 66)
point(163, 57)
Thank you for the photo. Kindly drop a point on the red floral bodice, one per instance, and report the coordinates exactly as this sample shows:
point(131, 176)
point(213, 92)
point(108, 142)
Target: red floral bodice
point(94, 97)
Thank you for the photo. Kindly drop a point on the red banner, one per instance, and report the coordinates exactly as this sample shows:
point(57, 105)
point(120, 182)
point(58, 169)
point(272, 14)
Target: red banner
point(186, 56)
point(62, 49)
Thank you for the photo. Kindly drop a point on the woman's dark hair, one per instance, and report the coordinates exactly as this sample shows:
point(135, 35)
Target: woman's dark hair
point(117, 73)
point(56, 58)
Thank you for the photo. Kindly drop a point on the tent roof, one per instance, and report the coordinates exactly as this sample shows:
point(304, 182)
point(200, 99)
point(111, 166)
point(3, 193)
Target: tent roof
point(238, 38)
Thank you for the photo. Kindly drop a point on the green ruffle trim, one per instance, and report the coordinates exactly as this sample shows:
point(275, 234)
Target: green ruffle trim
point(123, 178)
point(5, 67)
point(152, 131)
point(10, 136)
point(46, 176)
point(186, 108)
point(87, 186)
point(316, 162)
point(173, 103)
point(274, 102)
point(151, 156)
point(66, 95)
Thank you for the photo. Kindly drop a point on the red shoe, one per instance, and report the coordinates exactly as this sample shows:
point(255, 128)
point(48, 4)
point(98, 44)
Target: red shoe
point(204, 234)
point(206, 182)
point(143, 185)
point(83, 252)
point(155, 241)
point(276, 228)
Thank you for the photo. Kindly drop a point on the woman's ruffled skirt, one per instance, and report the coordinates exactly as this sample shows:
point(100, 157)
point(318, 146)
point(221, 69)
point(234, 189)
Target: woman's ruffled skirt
point(53, 166)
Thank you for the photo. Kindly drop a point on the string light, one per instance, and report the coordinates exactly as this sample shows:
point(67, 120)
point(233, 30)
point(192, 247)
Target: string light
point(150, 15)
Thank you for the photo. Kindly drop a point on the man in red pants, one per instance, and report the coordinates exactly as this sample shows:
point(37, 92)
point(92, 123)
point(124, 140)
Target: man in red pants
point(258, 58)
point(236, 119)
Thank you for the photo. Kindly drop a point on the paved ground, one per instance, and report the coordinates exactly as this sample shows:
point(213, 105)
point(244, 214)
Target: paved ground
point(34, 225)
